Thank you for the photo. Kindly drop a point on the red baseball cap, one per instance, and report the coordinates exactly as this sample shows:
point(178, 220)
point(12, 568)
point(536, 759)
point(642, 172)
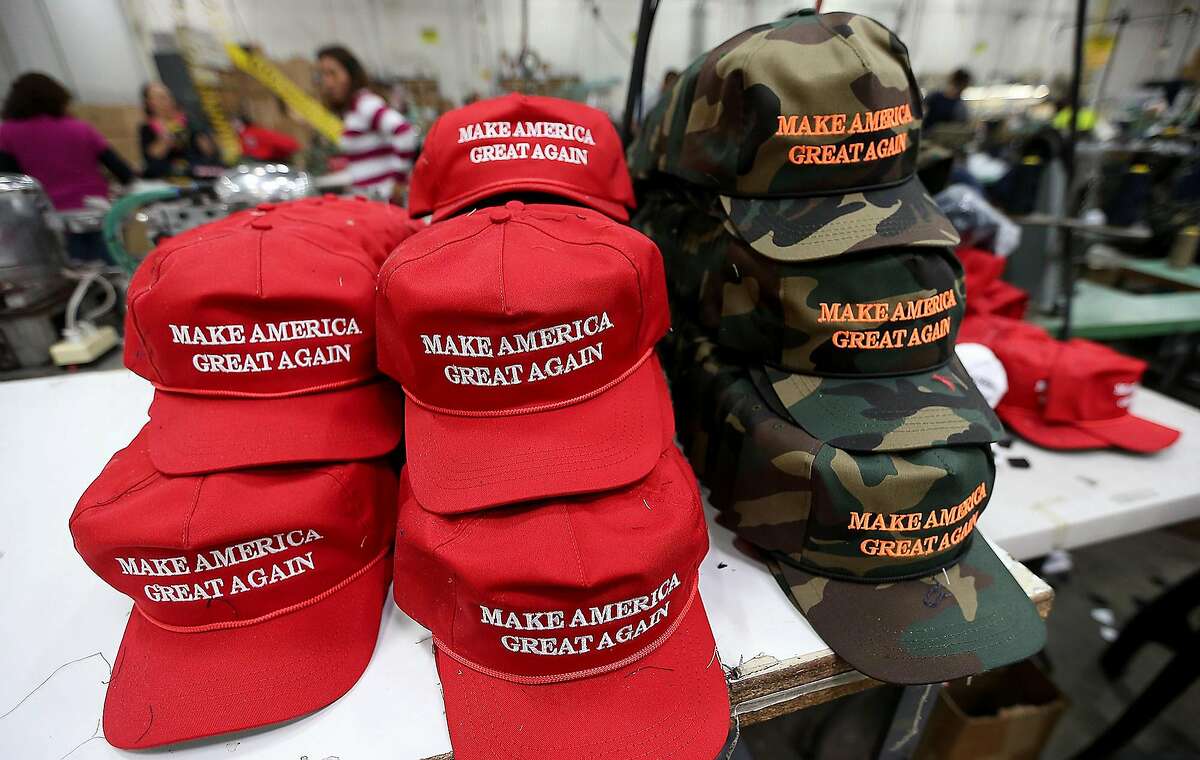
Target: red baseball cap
point(521, 143)
point(1075, 395)
point(524, 339)
point(599, 648)
point(257, 593)
point(260, 343)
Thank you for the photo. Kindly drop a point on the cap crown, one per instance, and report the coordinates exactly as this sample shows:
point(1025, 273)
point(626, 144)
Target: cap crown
point(883, 516)
point(517, 142)
point(812, 104)
point(262, 311)
point(234, 546)
point(1028, 361)
point(614, 574)
point(885, 313)
point(1091, 382)
point(519, 309)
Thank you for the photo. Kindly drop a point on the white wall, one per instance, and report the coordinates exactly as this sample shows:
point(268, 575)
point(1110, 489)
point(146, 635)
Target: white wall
point(84, 43)
point(102, 61)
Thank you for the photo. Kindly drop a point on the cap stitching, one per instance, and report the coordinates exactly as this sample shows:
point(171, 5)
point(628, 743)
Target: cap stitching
point(259, 291)
point(228, 624)
point(155, 277)
point(531, 409)
point(579, 674)
point(574, 544)
point(187, 522)
point(462, 200)
point(312, 389)
point(503, 242)
point(386, 276)
point(136, 486)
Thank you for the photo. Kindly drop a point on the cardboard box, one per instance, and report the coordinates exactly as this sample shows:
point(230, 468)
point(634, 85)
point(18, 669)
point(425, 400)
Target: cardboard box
point(1005, 714)
point(119, 124)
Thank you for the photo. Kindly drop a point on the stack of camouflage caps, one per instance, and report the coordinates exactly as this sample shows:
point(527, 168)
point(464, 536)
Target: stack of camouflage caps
point(815, 303)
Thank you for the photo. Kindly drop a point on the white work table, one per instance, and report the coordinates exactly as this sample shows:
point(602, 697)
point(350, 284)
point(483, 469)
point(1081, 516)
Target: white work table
point(60, 625)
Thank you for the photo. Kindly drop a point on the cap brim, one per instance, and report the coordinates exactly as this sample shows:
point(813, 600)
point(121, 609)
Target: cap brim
point(673, 703)
point(607, 207)
point(196, 434)
point(1126, 432)
point(958, 622)
point(898, 413)
point(1131, 433)
point(170, 687)
point(462, 464)
point(804, 229)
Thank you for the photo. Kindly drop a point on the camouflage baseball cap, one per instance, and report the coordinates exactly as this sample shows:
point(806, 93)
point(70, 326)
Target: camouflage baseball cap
point(808, 129)
point(858, 350)
point(878, 551)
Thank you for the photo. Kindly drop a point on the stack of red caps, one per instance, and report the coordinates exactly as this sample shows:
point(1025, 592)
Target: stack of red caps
point(550, 534)
point(251, 519)
point(989, 293)
point(1075, 395)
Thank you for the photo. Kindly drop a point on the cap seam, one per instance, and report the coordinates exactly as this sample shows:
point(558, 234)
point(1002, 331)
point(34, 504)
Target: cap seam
point(250, 395)
point(259, 291)
point(857, 189)
point(155, 278)
point(484, 191)
point(248, 622)
point(548, 407)
point(187, 522)
point(138, 485)
point(574, 544)
point(500, 258)
point(387, 275)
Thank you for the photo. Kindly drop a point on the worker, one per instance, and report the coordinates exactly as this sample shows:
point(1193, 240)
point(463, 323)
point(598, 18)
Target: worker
point(171, 146)
point(946, 105)
point(39, 138)
point(378, 143)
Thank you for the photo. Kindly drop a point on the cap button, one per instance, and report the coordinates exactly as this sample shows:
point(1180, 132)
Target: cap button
point(514, 206)
point(265, 206)
point(260, 224)
point(499, 215)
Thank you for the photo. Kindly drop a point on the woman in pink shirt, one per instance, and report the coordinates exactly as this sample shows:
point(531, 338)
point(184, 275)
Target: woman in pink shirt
point(61, 152)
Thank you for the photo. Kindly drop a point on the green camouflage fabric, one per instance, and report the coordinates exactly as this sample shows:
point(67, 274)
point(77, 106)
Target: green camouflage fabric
point(858, 349)
point(960, 621)
point(809, 130)
point(804, 504)
point(882, 313)
point(938, 408)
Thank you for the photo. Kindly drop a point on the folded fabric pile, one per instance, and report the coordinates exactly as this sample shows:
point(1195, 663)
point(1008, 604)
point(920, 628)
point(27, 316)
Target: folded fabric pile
point(816, 301)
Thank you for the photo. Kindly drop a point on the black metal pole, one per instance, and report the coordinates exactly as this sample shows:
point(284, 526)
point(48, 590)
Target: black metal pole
point(637, 74)
point(1067, 275)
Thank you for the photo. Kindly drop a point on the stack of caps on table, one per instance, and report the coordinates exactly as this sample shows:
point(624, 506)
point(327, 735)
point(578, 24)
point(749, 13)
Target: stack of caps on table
point(549, 532)
point(252, 517)
point(816, 300)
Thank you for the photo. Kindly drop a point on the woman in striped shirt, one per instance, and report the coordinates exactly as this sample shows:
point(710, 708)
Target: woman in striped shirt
point(378, 142)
